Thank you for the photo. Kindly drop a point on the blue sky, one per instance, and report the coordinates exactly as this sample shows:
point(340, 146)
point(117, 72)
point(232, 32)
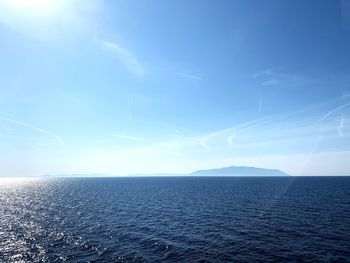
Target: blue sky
point(124, 87)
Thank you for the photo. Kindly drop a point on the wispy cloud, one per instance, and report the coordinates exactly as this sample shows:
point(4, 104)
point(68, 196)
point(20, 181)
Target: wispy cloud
point(345, 96)
point(126, 57)
point(270, 77)
point(230, 139)
point(26, 138)
point(204, 141)
point(186, 75)
point(329, 113)
point(340, 127)
point(4, 127)
point(272, 73)
point(292, 128)
point(130, 138)
point(268, 142)
point(58, 138)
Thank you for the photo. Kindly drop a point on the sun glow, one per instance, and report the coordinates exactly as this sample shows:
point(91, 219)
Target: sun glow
point(40, 19)
point(31, 3)
point(34, 7)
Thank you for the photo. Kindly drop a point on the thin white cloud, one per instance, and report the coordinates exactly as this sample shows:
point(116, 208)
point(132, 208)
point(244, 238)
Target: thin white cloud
point(126, 57)
point(130, 138)
point(186, 75)
point(58, 138)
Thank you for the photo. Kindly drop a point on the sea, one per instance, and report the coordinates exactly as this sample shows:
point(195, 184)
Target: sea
point(175, 219)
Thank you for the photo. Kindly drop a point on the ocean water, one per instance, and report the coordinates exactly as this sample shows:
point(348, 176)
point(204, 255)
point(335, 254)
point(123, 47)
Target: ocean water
point(180, 219)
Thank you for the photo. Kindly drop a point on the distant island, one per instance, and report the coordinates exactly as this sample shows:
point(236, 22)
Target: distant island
point(224, 171)
point(239, 171)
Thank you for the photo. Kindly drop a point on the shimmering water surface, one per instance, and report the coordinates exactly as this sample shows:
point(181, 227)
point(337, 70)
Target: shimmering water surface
point(180, 219)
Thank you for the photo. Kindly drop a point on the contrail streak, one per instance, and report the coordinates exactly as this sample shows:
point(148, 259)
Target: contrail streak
point(29, 138)
point(58, 138)
point(127, 137)
point(334, 110)
point(186, 75)
point(130, 110)
point(126, 57)
point(260, 104)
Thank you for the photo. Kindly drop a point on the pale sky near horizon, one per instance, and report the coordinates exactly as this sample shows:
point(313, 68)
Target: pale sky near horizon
point(122, 87)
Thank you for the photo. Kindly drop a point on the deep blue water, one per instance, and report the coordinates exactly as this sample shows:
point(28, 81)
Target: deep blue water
point(180, 219)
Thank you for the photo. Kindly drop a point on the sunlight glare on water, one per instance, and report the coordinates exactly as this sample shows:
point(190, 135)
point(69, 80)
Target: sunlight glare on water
point(17, 180)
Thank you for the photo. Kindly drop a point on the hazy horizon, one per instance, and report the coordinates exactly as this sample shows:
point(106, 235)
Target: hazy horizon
point(165, 173)
point(124, 87)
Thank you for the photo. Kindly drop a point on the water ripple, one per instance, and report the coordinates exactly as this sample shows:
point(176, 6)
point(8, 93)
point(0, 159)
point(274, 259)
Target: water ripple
point(175, 220)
